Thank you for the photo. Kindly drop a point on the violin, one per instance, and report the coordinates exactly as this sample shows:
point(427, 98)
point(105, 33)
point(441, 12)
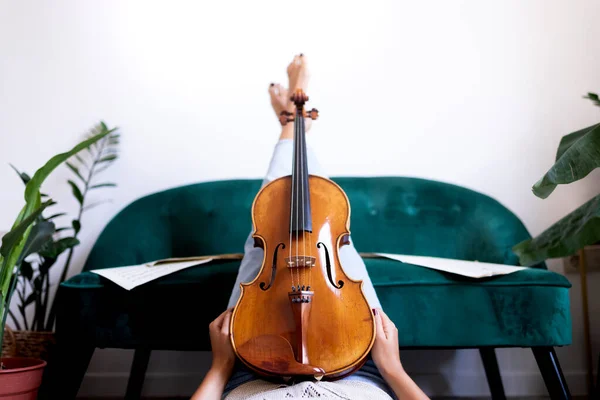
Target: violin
point(302, 316)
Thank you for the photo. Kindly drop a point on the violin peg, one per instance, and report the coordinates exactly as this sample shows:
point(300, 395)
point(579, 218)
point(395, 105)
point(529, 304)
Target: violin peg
point(313, 114)
point(285, 117)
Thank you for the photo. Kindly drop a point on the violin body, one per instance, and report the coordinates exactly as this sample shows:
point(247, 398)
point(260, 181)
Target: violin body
point(302, 315)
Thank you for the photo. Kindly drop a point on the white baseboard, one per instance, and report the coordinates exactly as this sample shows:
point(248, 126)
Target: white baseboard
point(459, 384)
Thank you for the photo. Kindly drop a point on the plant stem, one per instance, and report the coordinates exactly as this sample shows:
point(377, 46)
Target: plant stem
point(45, 302)
point(14, 318)
point(22, 308)
point(63, 275)
point(4, 309)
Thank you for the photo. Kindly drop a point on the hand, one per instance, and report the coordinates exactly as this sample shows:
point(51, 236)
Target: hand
point(386, 351)
point(223, 355)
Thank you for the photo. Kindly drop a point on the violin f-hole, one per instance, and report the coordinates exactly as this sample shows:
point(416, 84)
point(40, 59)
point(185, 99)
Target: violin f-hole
point(340, 283)
point(273, 269)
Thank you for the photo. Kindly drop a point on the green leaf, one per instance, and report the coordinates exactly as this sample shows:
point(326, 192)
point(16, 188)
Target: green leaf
point(578, 229)
point(24, 177)
point(103, 185)
point(81, 161)
point(30, 299)
point(12, 238)
point(56, 248)
point(110, 157)
point(97, 171)
point(26, 270)
point(40, 233)
point(76, 226)
point(76, 191)
point(46, 265)
point(594, 98)
point(55, 216)
point(37, 283)
point(41, 174)
point(578, 154)
point(75, 171)
point(90, 206)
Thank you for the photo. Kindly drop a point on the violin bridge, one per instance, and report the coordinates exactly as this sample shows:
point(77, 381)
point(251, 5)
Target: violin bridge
point(300, 261)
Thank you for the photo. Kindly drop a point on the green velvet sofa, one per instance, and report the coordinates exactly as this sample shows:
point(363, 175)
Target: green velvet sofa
point(432, 309)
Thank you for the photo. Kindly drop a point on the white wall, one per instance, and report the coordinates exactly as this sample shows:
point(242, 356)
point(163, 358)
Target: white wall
point(476, 93)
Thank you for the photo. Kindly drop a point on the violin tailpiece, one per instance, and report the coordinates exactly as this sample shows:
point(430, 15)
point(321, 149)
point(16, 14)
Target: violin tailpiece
point(301, 302)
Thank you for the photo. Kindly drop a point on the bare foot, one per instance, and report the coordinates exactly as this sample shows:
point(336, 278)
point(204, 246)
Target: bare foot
point(298, 77)
point(298, 74)
point(279, 98)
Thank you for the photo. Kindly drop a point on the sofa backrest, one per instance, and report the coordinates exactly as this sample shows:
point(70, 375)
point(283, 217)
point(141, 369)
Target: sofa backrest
point(388, 214)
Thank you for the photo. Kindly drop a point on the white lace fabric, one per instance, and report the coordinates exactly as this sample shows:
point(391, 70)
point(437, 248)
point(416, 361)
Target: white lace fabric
point(343, 389)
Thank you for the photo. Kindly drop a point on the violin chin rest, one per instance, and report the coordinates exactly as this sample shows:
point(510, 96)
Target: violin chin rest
point(273, 354)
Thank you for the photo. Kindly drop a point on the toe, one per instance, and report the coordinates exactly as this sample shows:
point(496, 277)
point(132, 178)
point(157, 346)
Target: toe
point(282, 93)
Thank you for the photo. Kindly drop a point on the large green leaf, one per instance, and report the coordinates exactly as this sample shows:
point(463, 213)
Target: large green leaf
point(54, 249)
point(41, 233)
point(12, 238)
point(578, 229)
point(578, 154)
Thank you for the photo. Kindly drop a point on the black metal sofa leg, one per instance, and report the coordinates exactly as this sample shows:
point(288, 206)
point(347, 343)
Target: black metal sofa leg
point(492, 372)
point(65, 370)
point(551, 372)
point(137, 375)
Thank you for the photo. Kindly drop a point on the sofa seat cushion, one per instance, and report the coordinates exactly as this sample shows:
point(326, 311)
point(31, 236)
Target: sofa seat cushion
point(430, 308)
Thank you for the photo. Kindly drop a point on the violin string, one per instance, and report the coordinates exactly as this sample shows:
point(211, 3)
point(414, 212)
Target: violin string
point(296, 134)
point(309, 283)
point(292, 211)
point(303, 204)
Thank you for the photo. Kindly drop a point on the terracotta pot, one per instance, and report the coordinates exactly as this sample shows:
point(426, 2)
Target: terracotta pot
point(21, 378)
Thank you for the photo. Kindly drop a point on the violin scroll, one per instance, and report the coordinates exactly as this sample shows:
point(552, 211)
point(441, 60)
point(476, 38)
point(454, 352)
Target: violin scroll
point(299, 98)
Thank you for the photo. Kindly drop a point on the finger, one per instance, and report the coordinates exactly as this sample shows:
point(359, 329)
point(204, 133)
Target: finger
point(226, 320)
point(388, 324)
point(218, 322)
point(378, 324)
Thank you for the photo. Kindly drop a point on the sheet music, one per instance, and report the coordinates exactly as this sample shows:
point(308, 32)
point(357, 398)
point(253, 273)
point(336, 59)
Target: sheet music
point(472, 269)
point(132, 276)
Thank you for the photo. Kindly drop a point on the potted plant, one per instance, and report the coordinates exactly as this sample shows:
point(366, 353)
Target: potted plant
point(21, 376)
point(33, 335)
point(577, 155)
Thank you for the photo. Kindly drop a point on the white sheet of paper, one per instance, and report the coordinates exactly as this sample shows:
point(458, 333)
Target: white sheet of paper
point(132, 276)
point(472, 269)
